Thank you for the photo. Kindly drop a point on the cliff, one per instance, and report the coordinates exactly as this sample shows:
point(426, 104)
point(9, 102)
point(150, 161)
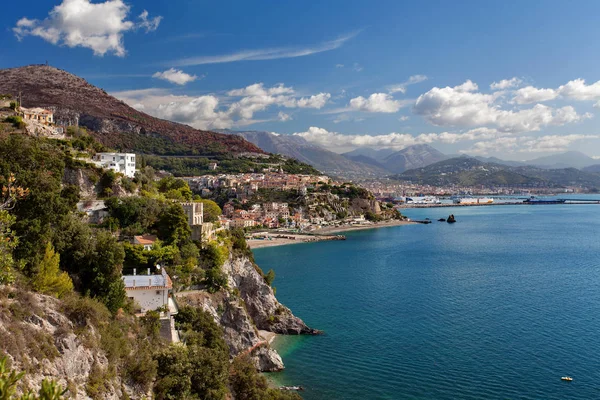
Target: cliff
point(246, 311)
point(40, 337)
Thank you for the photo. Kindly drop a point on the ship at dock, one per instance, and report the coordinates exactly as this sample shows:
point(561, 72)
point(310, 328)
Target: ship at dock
point(534, 200)
point(422, 200)
point(472, 200)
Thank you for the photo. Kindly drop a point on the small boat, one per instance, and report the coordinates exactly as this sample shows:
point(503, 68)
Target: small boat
point(566, 378)
point(296, 388)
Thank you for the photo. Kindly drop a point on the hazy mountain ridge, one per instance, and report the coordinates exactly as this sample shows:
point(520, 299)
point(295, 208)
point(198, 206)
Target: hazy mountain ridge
point(468, 171)
point(299, 148)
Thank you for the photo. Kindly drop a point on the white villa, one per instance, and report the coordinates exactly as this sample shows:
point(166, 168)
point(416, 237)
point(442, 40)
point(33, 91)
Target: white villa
point(148, 291)
point(118, 162)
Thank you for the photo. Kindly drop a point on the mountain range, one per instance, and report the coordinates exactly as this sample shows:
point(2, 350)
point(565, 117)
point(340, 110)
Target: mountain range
point(469, 171)
point(111, 121)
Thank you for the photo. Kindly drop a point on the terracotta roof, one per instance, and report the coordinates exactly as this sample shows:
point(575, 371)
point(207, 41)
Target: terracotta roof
point(145, 239)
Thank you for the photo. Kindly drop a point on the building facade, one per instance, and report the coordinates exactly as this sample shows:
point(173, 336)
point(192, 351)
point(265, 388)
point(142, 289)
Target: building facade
point(118, 162)
point(149, 292)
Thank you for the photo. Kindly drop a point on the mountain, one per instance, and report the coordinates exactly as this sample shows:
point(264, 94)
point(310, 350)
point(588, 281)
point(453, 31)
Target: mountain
point(496, 160)
point(299, 148)
point(377, 155)
point(592, 168)
point(468, 171)
point(570, 159)
point(416, 156)
point(364, 160)
point(111, 121)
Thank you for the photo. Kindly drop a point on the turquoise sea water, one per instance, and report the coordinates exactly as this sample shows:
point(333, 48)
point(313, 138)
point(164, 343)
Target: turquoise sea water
point(499, 305)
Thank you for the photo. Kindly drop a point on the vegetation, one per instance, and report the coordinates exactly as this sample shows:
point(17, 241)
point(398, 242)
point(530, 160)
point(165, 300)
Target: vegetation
point(9, 379)
point(190, 166)
point(45, 245)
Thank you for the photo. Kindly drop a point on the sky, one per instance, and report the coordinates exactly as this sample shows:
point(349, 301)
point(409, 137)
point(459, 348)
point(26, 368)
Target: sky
point(511, 79)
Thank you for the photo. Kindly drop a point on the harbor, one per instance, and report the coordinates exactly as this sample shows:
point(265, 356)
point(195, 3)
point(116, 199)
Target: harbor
point(480, 202)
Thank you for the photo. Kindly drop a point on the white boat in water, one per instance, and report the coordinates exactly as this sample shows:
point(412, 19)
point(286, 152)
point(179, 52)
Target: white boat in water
point(422, 200)
point(473, 200)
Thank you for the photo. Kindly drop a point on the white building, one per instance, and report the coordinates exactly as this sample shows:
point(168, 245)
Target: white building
point(118, 162)
point(145, 240)
point(150, 292)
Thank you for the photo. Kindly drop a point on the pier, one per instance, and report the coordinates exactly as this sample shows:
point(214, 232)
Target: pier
point(506, 203)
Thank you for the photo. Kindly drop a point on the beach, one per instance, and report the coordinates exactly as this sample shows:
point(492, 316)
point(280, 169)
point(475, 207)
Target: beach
point(318, 235)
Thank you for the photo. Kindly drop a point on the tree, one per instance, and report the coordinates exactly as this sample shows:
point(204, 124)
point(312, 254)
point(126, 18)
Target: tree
point(211, 210)
point(49, 279)
point(270, 277)
point(172, 225)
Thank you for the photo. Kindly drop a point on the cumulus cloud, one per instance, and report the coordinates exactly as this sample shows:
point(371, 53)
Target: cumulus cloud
point(401, 87)
point(578, 90)
point(81, 23)
point(377, 102)
point(506, 84)
point(527, 144)
point(463, 105)
point(283, 117)
point(175, 76)
point(340, 142)
point(212, 112)
point(531, 94)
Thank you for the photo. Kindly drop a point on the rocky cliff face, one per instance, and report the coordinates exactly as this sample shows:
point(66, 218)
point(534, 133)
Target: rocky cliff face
point(246, 312)
point(39, 339)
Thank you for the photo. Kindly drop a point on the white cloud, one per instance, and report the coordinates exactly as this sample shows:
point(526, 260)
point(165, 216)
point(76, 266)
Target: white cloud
point(506, 84)
point(341, 142)
point(149, 25)
point(265, 54)
point(411, 81)
point(211, 112)
point(404, 118)
point(339, 65)
point(357, 67)
point(531, 94)
point(283, 117)
point(578, 90)
point(463, 106)
point(527, 144)
point(597, 105)
point(175, 76)
point(81, 23)
point(377, 102)
point(316, 101)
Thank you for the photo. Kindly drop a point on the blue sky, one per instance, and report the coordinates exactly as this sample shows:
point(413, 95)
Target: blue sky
point(342, 74)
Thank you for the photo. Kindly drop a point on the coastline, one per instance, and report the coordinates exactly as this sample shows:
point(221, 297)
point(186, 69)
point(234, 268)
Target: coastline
point(319, 235)
point(376, 225)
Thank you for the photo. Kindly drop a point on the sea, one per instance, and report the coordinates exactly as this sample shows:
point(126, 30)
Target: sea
point(499, 305)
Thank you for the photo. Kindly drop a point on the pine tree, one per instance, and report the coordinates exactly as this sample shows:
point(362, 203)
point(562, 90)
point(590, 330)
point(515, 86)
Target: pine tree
point(49, 279)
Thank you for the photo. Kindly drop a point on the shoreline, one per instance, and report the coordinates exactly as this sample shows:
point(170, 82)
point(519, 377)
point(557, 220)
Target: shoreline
point(319, 235)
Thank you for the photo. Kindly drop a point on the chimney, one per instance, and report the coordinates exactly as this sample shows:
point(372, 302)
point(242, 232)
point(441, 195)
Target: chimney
point(148, 271)
point(134, 283)
point(134, 271)
point(150, 282)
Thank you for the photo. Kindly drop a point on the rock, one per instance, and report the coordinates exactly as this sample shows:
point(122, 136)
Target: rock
point(442, 220)
point(267, 360)
point(262, 306)
point(451, 219)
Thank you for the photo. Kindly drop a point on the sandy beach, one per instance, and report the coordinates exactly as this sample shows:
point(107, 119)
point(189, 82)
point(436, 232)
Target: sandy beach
point(349, 228)
point(327, 233)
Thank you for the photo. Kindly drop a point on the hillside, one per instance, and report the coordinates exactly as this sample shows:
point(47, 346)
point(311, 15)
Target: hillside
point(569, 159)
point(468, 171)
point(377, 155)
point(299, 148)
point(113, 122)
point(416, 156)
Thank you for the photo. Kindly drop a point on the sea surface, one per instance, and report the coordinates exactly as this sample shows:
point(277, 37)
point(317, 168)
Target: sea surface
point(499, 305)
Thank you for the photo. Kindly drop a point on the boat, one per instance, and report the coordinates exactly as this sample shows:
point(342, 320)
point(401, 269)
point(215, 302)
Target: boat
point(534, 200)
point(422, 200)
point(472, 200)
point(296, 388)
point(566, 378)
